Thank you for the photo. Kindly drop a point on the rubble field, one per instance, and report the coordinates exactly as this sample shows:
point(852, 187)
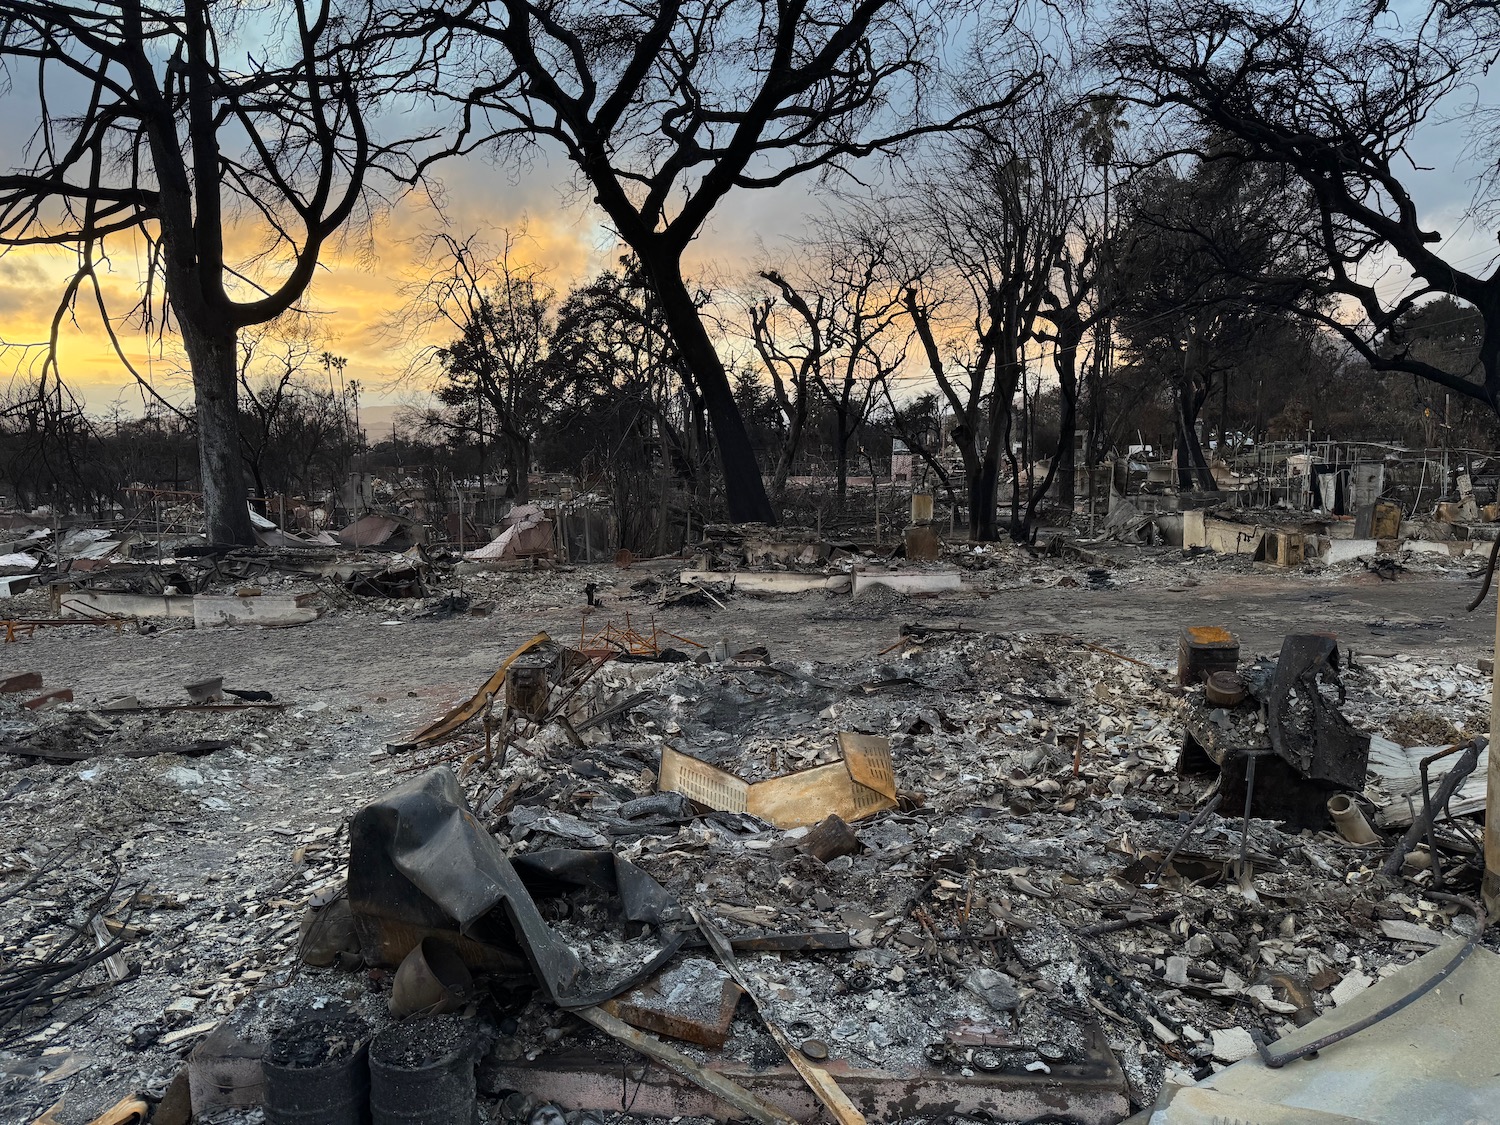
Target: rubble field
point(1036, 906)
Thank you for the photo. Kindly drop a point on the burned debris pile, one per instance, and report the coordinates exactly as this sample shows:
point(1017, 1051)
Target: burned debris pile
point(975, 875)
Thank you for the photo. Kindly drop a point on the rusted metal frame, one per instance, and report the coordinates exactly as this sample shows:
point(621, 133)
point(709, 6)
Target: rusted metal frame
point(674, 637)
point(1467, 761)
point(27, 626)
point(630, 639)
point(1429, 814)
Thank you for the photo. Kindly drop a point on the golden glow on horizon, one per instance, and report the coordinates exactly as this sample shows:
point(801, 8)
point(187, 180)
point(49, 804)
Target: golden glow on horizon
point(357, 293)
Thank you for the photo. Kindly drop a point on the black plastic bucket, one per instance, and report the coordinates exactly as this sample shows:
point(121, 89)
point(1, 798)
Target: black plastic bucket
point(422, 1073)
point(317, 1072)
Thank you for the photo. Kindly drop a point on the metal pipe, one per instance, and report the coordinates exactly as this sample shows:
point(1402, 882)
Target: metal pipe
point(1198, 818)
point(1249, 799)
point(1429, 814)
point(1446, 788)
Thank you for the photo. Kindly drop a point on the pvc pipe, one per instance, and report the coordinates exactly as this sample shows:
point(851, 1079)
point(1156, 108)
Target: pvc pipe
point(1350, 821)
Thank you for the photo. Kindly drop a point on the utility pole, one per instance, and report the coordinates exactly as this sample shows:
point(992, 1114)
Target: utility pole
point(359, 434)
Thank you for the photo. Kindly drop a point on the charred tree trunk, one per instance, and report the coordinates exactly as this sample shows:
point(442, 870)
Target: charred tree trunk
point(841, 459)
point(789, 446)
point(1018, 531)
point(213, 357)
point(259, 478)
point(984, 485)
point(1065, 464)
point(1192, 466)
point(1190, 396)
point(519, 448)
point(744, 490)
point(1008, 374)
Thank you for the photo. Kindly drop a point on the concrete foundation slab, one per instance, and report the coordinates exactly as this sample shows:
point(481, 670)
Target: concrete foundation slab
point(96, 603)
point(272, 609)
point(1343, 550)
point(769, 582)
point(1432, 1061)
point(1193, 536)
point(206, 610)
point(1452, 548)
point(909, 582)
point(1232, 538)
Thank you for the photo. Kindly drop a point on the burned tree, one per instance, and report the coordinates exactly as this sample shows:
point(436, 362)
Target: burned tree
point(187, 127)
point(995, 220)
point(842, 340)
point(295, 436)
point(627, 409)
point(1209, 262)
point(1335, 98)
point(1080, 301)
point(497, 377)
point(667, 109)
point(791, 339)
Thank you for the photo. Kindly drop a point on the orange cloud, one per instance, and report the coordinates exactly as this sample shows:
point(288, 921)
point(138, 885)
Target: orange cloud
point(356, 296)
point(364, 277)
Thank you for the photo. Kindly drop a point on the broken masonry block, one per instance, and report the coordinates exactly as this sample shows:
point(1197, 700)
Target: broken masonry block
point(829, 839)
point(923, 544)
point(693, 1000)
point(21, 681)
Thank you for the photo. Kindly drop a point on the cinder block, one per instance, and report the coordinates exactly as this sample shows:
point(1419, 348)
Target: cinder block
point(1285, 548)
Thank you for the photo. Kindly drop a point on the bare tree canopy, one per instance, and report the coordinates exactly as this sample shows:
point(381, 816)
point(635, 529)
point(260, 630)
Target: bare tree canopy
point(497, 376)
point(180, 131)
point(833, 327)
point(1336, 96)
point(988, 232)
point(665, 109)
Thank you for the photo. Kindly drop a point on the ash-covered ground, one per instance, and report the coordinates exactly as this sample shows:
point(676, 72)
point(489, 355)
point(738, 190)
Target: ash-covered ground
point(1040, 794)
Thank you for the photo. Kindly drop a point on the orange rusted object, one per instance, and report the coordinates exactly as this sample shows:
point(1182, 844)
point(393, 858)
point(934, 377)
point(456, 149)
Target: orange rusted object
point(628, 639)
point(1204, 650)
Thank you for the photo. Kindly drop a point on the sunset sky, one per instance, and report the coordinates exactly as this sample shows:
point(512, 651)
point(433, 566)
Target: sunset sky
point(359, 291)
point(360, 288)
